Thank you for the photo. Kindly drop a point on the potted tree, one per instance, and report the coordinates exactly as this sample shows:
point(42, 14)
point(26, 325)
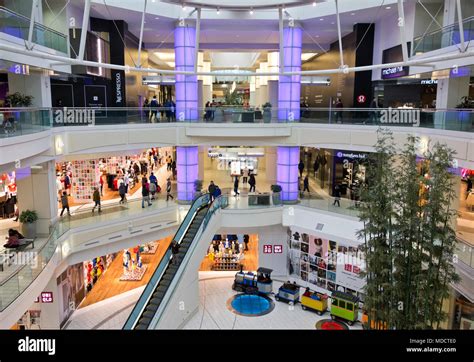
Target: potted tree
point(18, 99)
point(267, 112)
point(28, 222)
point(276, 189)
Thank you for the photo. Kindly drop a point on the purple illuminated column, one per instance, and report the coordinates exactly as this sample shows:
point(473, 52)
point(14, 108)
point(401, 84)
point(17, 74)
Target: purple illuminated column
point(186, 87)
point(188, 166)
point(287, 172)
point(289, 88)
point(186, 93)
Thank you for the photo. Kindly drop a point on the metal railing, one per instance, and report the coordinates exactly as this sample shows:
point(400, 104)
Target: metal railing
point(444, 37)
point(21, 121)
point(464, 252)
point(18, 25)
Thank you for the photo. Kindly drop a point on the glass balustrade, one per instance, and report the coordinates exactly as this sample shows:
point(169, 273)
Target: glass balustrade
point(444, 37)
point(22, 121)
point(17, 25)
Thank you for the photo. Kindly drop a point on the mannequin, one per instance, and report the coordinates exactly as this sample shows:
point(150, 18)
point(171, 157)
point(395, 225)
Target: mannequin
point(126, 261)
point(233, 247)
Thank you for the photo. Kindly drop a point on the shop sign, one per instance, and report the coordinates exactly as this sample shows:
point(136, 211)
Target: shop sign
point(19, 69)
point(118, 87)
point(47, 297)
point(74, 116)
point(361, 99)
point(429, 81)
point(278, 249)
point(351, 155)
point(400, 116)
point(268, 249)
point(395, 72)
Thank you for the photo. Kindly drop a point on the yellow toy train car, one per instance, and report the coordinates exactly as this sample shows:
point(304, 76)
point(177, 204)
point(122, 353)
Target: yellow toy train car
point(314, 301)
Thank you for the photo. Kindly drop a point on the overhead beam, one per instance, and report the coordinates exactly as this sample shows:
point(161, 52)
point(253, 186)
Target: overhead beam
point(71, 61)
point(461, 25)
point(401, 25)
point(339, 35)
point(139, 62)
point(85, 26)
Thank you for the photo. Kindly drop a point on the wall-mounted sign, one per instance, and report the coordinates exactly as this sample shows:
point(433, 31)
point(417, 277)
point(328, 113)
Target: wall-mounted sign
point(361, 98)
point(429, 81)
point(268, 249)
point(118, 96)
point(47, 297)
point(351, 155)
point(395, 72)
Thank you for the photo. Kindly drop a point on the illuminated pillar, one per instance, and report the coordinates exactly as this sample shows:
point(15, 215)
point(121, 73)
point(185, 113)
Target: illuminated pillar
point(187, 169)
point(289, 89)
point(186, 87)
point(186, 90)
point(287, 172)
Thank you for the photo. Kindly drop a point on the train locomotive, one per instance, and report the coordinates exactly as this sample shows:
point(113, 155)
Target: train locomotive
point(251, 283)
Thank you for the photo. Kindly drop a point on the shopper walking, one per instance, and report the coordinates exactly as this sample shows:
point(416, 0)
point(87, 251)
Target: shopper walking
point(154, 109)
point(168, 189)
point(145, 193)
point(252, 183)
point(236, 186)
point(173, 169)
point(175, 252)
point(337, 196)
point(101, 182)
point(246, 242)
point(96, 199)
point(152, 190)
point(153, 179)
point(65, 203)
point(339, 107)
point(169, 160)
point(306, 184)
point(211, 189)
point(122, 191)
point(301, 168)
point(126, 181)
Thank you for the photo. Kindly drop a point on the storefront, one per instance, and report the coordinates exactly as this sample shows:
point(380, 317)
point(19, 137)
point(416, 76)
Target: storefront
point(8, 195)
point(238, 161)
point(231, 252)
point(349, 172)
point(79, 178)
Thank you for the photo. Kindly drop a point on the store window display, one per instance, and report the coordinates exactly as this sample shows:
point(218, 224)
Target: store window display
point(224, 253)
point(8, 195)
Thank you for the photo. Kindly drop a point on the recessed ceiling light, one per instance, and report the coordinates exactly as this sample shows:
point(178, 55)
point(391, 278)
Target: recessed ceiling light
point(218, 11)
point(251, 11)
point(388, 7)
point(156, 18)
point(183, 7)
point(321, 19)
point(314, 3)
point(332, 23)
point(353, 14)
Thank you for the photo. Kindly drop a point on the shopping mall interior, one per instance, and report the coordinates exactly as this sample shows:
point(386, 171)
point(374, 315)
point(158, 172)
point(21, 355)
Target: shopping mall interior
point(216, 164)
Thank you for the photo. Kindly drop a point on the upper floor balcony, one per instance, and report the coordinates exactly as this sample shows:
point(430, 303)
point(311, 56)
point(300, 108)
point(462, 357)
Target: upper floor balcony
point(18, 26)
point(443, 38)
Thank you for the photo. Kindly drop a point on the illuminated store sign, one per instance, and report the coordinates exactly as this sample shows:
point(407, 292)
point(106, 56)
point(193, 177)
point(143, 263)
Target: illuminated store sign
point(351, 155)
point(395, 72)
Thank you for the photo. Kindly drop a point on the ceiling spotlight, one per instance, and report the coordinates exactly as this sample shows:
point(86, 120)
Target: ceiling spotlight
point(218, 11)
point(388, 7)
point(321, 19)
point(314, 3)
point(352, 14)
point(251, 11)
point(183, 7)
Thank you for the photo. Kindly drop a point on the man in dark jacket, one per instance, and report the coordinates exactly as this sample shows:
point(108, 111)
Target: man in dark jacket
point(175, 251)
point(145, 193)
point(212, 190)
point(301, 168)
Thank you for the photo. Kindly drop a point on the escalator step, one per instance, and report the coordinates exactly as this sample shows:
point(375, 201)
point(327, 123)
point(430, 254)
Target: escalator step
point(164, 283)
point(141, 326)
point(144, 320)
point(155, 301)
point(149, 313)
point(172, 269)
point(167, 277)
point(161, 288)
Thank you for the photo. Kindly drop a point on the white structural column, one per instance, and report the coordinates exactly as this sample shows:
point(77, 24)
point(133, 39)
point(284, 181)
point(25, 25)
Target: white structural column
point(401, 25)
point(139, 62)
point(34, 10)
point(339, 35)
point(85, 27)
point(461, 25)
point(271, 164)
point(37, 191)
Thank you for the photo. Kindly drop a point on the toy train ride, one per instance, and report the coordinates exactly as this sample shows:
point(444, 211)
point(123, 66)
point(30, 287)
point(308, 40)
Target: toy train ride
point(344, 306)
point(251, 283)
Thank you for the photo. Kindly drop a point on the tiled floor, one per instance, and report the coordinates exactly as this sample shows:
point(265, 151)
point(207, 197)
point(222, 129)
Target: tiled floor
point(216, 289)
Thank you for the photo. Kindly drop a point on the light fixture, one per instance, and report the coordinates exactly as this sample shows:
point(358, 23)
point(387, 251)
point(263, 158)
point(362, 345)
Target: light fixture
point(156, 18)
point(183, 7)
point(388, 7)
point(218, 11)
point(251, 11)
point(321, 19)
point(314, 3)
point(352, 14)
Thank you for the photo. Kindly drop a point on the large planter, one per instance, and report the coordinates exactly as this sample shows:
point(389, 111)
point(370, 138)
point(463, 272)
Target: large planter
point(29, 230)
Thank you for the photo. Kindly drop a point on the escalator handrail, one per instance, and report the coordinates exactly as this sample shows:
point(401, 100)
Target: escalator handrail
point(147, 293)
point(219, 203)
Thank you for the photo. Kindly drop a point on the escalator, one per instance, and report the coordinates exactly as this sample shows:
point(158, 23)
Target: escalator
point(156, 289)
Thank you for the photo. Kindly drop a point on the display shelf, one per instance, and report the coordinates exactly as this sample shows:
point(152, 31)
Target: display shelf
point(226, 262)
